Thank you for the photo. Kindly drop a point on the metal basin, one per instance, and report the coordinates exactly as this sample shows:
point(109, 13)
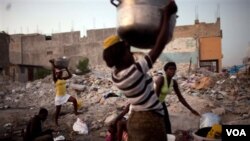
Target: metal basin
point(139, 20)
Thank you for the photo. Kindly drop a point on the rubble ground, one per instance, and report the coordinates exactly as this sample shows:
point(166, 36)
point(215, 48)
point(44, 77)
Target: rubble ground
point(226, 96)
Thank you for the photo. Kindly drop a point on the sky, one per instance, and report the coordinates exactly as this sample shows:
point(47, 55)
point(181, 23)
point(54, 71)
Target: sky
point(51, 16)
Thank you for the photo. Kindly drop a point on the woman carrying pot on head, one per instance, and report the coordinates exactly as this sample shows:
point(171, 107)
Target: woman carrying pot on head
point(145, 122)
point(61, 96)
point(164, 86)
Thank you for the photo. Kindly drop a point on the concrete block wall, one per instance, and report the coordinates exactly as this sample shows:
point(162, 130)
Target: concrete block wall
point(101, 34)
point(4, 50)
point(32, 48)
point(91, 46)
point(37, 50)
point(199, 30)
point(15, 49)
point(18, 73)
point(179, 50)
point(187, 44)
point(67, 38)
point(93, 51)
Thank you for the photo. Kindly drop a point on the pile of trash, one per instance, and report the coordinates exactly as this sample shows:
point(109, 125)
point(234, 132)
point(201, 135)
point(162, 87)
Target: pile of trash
point(229, 92)
point(101, 101)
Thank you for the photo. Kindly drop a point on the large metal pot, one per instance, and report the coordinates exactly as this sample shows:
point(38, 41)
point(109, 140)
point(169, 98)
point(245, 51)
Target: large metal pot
point(139, 20)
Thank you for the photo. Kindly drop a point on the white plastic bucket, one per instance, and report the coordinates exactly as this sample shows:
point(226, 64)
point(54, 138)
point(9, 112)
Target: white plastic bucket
point(203, 138)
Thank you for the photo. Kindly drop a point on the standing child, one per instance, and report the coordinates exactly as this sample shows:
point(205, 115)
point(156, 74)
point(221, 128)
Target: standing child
point(61, 96)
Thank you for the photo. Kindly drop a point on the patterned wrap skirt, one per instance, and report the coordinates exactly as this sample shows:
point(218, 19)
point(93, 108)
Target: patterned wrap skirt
point(146, 126)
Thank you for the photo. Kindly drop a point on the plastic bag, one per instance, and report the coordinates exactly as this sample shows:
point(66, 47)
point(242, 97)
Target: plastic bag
point(59, 138)
point(209, 119)
point(80, 127)
point(171, 137)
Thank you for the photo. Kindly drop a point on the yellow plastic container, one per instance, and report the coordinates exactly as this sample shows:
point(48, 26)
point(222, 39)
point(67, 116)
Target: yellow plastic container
point(79, 103)
point(201, 135)
point(215, 131)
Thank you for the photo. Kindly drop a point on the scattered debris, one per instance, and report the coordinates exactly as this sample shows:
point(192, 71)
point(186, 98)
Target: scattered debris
point(100, 100)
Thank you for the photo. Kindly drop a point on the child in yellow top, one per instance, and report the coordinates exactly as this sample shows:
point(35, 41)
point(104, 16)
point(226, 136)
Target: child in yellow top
point(61, 95)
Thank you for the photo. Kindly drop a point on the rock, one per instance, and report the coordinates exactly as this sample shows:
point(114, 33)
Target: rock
point(7, 98)
point(51, 91)
point(210, 104)
point(28, 85)
point(110, 119)
point(94, 89)
point(194, 94)
point(59, 138)
point(233, 77)
point(111, 100)
point(223, 93)
point(78, 87)
point(6, 106)
point(245, 116)
point(219, 97)
point(94, 125)
point(120, 103)
point(38, 84)
point(239, 122)
point(220, 82)
point(1, 94)
point(102, 101)
point(102, 134)
point(242, 109)
point(22, 90)
point(243, 98)
point(219, 111)
point(7, 125)
point(95, 99)
point(203, 83)
point(213, 91)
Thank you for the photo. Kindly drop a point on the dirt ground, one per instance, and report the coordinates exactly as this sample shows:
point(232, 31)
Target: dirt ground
point(19, 118)
point(181, 119)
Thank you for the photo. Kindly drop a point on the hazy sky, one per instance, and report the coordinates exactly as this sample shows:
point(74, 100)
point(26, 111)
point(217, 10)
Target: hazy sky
point(47, 16)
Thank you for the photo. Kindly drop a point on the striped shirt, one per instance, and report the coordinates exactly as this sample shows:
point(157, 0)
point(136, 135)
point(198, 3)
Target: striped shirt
point(137, 86)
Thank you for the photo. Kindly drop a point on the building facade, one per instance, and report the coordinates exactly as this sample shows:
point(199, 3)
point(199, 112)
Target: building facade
point(198, 45)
